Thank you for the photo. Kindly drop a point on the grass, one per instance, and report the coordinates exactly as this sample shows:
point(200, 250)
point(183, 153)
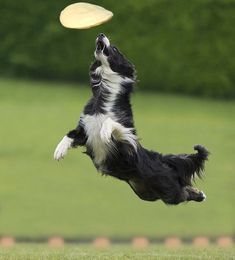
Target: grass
point(35, 252)
point(41, 197)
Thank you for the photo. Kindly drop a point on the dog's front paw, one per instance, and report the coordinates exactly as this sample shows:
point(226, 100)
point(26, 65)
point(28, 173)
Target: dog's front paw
point(62, 148)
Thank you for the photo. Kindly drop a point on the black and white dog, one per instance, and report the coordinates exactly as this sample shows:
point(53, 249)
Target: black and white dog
point(106, 129)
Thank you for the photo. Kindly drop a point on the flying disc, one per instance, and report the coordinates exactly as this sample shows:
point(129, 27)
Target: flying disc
point(84, 15)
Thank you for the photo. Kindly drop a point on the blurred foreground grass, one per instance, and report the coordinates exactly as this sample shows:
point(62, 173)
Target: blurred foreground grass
point(41, 197)
point(34, 252)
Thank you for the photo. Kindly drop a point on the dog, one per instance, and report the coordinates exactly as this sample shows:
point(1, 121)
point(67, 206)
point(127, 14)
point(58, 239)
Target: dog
point(106, 129)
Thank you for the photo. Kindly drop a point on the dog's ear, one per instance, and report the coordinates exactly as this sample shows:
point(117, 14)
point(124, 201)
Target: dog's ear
point(128, 69)
point(122, 66)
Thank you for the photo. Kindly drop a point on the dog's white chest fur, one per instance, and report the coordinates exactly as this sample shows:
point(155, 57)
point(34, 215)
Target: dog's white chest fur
point(100, 129)
point(93, 125)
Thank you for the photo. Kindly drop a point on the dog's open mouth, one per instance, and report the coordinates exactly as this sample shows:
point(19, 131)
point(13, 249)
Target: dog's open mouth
point(100, 45)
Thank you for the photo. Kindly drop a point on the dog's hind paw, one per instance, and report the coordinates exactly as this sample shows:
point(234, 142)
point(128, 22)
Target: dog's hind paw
point(62, 148)
point(195, 194)
point(203, 196)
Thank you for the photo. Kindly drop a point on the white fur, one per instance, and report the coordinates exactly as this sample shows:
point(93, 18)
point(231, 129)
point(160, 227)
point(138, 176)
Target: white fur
point(99, 129)
point(62, 148)
point(119, 132)
point(107, 130)
point(93, 125)
point(106, 41)
point(204, 195)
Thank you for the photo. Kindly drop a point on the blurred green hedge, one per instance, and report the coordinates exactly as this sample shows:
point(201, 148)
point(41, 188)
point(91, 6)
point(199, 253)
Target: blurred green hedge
point(177, 45)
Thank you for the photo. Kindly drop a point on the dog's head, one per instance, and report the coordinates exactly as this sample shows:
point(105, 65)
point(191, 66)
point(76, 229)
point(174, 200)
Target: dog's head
point(110, 57)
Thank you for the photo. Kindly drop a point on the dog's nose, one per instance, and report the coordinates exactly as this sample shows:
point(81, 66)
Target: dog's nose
point(102, 38)
point(101, 35)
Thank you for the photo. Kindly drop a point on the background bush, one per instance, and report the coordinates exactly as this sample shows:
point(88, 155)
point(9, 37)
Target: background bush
point(179, 46)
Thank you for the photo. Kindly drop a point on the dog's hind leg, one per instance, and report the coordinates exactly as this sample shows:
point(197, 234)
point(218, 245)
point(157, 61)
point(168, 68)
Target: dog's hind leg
point(194, 194)
point(175, 197)
point(142, 190)
point(187, 193)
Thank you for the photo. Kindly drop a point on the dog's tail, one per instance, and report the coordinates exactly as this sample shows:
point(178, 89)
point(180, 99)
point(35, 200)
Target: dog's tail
point(188, 165)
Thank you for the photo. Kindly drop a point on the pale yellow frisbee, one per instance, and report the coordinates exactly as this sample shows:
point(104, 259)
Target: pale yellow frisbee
point(84, 15)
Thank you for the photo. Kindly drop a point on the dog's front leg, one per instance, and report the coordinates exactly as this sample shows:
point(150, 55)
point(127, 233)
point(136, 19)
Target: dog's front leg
point(119, 132)
point(72, 139)
point(107, 129)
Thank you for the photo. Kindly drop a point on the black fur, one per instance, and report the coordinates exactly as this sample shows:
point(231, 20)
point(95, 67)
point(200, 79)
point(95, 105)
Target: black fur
point(151, 175)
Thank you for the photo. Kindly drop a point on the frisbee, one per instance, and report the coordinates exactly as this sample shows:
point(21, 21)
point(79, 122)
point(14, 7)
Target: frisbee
point(84, 15)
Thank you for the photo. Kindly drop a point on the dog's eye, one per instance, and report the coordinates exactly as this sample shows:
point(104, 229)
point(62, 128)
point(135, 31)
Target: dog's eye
point(115, 49)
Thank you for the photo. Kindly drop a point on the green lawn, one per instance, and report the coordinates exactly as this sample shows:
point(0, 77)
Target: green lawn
point(42, 197)
point(36, 252)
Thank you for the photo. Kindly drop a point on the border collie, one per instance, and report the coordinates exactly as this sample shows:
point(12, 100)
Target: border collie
point(106, 129)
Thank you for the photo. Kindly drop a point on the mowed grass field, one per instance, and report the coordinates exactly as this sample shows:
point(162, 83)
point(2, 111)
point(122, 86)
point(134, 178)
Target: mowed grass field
point(34, 252)
point(42, 197)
